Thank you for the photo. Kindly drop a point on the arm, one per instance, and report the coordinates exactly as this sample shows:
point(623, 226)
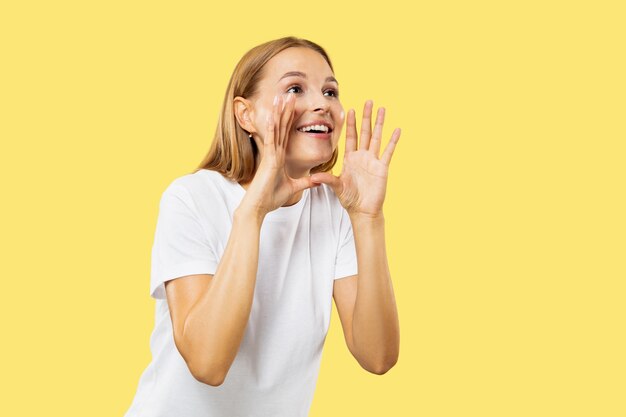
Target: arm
point(210, 318)
point(375, 326)
point(209, 322)
point(366, 303)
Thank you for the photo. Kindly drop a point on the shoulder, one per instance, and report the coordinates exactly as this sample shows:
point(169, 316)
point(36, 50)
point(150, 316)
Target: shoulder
point(210, 194)
point(199, 184)
point(193, 181)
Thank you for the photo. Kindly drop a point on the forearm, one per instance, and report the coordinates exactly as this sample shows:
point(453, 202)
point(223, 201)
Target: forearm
point(215, 325)
point(375, 326)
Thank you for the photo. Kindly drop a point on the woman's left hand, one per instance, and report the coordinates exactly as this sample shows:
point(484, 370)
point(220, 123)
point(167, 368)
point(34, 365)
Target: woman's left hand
point(362, 184)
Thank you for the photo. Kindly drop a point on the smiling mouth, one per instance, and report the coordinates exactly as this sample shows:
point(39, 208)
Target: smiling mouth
point(316, 134)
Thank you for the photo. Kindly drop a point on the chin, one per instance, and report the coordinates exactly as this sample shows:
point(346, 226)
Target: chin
point(310, 156)
point(310, 163)
point(313, 162)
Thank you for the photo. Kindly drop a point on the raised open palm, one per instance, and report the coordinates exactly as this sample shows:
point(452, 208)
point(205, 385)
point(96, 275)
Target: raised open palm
point(362, 184)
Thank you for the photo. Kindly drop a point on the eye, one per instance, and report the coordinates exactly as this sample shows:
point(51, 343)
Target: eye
point(294, 86)
point(335, 92)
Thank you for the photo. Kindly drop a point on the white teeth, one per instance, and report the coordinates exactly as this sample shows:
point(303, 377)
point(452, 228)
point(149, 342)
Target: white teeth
point(314, 127)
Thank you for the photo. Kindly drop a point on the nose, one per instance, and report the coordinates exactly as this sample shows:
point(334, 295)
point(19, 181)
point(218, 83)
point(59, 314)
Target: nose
point(320, 103)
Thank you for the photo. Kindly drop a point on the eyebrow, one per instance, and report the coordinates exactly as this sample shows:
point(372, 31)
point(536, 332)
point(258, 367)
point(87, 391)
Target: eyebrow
point(303, 75)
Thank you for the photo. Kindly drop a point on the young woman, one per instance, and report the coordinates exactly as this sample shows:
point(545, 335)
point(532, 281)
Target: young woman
point(250, 248)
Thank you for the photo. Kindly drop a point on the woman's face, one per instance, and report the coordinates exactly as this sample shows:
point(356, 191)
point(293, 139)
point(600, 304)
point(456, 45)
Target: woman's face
point(315, 92)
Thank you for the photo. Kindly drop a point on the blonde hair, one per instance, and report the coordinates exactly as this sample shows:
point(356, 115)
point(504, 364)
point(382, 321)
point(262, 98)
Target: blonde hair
point(232, 152)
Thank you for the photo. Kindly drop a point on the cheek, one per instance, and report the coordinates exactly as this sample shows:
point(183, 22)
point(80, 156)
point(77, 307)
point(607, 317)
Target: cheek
point(339, 116)
point(260, 118)
point(264, 110)
point(295, 117)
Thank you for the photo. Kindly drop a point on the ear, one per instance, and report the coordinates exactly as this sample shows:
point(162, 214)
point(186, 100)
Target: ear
point(243, 112)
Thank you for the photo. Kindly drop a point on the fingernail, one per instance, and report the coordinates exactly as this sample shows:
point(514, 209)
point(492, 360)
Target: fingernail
point(275, 100)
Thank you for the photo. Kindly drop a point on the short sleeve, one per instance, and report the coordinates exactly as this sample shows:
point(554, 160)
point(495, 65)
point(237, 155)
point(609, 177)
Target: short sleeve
point(346, 262)
point(181, 245)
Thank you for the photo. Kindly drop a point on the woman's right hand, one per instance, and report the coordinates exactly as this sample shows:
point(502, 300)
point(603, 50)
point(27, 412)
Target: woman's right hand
point(272, 187)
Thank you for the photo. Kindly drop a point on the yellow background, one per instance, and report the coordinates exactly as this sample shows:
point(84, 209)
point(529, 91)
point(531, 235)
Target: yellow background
point(504, 211)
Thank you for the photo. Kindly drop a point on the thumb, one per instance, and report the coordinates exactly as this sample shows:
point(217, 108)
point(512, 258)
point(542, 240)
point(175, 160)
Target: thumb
point(329, 179)
point(302, 183)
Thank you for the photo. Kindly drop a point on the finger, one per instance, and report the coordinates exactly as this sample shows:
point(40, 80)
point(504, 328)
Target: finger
point(268, 141)
point(378, 132)
point(366, 125)
point(351, 133)
point(286, 120)
point(302, 183)
point(330, 179)
point(391, 146)
point(276, 116)
point(290, 123)
point(285, 117)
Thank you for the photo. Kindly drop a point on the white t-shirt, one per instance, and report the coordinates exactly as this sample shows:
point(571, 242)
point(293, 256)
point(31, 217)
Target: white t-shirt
point(302, 249)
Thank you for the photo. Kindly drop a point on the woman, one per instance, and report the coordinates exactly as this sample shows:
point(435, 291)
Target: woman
point(250, 248)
